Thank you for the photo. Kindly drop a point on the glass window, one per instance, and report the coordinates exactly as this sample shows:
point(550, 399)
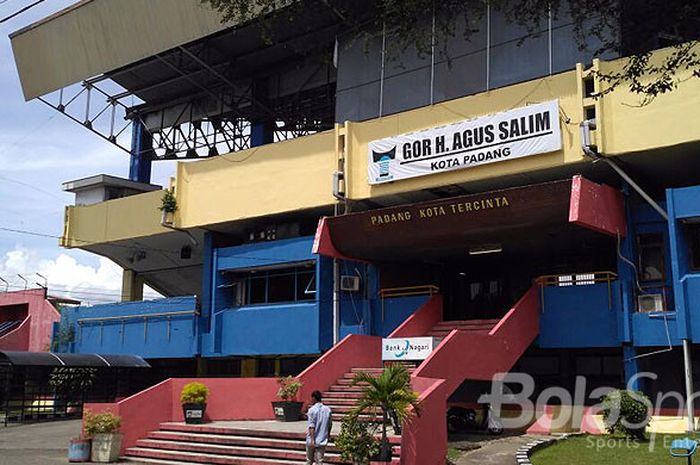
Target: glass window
point(280, 287)
point(257, 292)
point(651, 257)
point(291, 284)
point(306, 285)
point(694, 243)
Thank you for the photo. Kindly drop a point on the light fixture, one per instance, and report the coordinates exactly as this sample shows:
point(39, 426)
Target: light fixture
point(485, 249)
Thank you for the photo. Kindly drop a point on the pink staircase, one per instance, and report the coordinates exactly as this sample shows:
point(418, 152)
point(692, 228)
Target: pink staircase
point(471, 349)
point(443, 328)
point(177, 443)
point(342, 397)
point(477, 349)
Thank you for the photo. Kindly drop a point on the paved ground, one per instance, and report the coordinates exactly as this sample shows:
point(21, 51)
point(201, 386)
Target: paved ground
point(38, 443)
point(489, 450)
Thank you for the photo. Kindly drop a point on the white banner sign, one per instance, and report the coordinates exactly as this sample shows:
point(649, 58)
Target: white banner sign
point(409, 348)
point(502, 136)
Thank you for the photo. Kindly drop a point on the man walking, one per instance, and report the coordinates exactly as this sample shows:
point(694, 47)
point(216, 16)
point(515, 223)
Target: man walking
point(319, 431)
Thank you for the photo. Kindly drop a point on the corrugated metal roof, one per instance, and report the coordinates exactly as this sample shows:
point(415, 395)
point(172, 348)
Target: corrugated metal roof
point(16, 358)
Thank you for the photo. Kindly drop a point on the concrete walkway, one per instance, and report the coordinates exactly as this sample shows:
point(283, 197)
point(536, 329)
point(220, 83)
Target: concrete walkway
point(491, 450)
point(37, 443)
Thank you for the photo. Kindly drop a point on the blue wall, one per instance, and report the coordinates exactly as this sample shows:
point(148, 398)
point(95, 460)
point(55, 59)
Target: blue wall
point(581, 316)
point(270, 329)
point(683, 205)
point(395, 311)
point(166, 336)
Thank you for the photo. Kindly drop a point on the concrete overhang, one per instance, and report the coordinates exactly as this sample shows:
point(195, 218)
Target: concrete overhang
point(93, 37)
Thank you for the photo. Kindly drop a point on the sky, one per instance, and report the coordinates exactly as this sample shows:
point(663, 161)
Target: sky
point(39, 150)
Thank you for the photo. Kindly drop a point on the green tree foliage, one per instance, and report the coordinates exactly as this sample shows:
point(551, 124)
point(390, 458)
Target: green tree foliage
point(630, 28)
point(194, 393)
point(626, 412)
point(389, 392)
point(356, 441)
point(100, 423)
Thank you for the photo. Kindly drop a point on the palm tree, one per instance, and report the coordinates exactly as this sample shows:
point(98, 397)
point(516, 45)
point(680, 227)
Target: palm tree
point(391, 392)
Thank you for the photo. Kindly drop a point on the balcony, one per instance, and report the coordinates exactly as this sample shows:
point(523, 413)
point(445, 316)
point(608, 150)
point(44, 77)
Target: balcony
point(580, 310)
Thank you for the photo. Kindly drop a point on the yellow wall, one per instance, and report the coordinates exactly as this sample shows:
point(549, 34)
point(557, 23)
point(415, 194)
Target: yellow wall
point(114, 220)
point(96, 36)
point(562, 86)
point(274, 178)
point(297, 174)
point(670, 119)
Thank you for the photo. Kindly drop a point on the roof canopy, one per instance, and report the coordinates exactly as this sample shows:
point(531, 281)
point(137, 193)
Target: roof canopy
point(452, 226)
point(50, 359)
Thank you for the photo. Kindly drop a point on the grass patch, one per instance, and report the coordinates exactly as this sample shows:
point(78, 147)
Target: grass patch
point(453, 453)
point(610, 450)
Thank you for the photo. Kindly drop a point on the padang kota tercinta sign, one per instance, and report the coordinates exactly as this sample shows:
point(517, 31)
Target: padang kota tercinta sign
point(517, 133)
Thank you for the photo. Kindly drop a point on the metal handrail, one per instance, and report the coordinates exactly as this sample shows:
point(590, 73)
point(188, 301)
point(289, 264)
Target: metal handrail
point(426, 289)
point(129, 317)
point(587, 278)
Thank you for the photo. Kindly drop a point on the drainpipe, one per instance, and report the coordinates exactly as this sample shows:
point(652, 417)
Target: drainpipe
point(168, 225)
point(592, 152)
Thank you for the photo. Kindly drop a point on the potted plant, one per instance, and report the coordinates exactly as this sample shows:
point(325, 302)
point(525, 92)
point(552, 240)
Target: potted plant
point(79, 449)
point(357, 442)
point(288, 409)
point(194, 402)
point(103, 429)
point(391, 394)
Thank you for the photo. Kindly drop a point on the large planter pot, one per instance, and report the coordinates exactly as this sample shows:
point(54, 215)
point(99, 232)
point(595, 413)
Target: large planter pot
point(194, 413)
point(287, 411)
point(105, 447)
point(79, 450)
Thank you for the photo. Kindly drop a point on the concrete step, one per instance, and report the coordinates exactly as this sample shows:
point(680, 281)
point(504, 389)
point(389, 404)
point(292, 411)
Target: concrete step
point(332, 455)
point(145, 460)
point(370, 371)
point(341, 395)
point(227, 430)
point(363, 417)
point(238, 445)
point(466, 323)
point(442, 333)
point(226, 439)
point(137, 454)
point(338, 401)
point(345, 388)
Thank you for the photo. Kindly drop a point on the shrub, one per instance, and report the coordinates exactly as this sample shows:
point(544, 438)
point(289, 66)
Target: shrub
point(194, 393)
point(100, 423)
point(168, 203)
point(626, 412)
point(289, 387)
point(356, 441)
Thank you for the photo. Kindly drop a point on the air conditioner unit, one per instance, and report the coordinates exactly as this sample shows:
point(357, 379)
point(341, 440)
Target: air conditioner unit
point(649, 303)
point(349, 283)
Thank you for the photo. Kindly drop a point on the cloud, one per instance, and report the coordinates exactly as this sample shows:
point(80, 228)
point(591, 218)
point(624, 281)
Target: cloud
point(66, 276)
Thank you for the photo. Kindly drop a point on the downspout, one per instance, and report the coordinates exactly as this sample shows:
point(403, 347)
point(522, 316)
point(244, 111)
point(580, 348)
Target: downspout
point(169, 225)
point(591, 151)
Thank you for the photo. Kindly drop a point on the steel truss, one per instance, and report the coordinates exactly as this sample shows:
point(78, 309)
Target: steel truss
point(214, 119)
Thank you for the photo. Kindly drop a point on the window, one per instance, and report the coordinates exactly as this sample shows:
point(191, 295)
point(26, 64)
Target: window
point(694, 243)
point(293, 284)
point(651, 257)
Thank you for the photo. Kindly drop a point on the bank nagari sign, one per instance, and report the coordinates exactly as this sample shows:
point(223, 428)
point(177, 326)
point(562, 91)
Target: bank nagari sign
point(407, 348)
point(502, 136)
